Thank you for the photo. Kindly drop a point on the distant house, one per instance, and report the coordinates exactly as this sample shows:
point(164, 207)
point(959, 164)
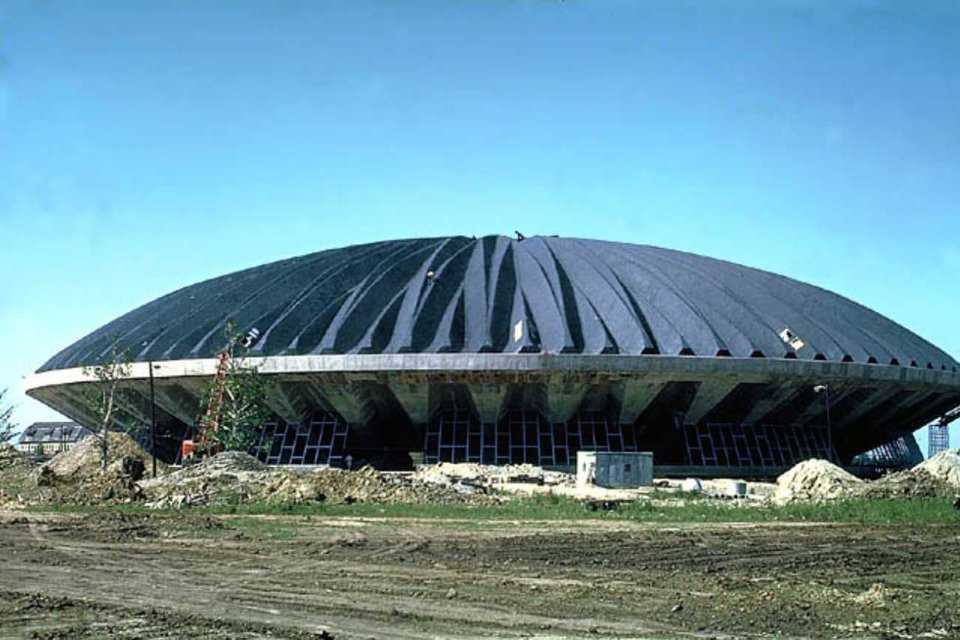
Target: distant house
point(47, 438)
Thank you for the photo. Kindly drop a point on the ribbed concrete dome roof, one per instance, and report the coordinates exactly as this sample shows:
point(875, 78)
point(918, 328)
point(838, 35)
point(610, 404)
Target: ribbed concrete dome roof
point(496, 294)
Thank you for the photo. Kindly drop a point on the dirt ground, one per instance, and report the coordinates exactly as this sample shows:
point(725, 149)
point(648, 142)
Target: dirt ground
point(107, 574)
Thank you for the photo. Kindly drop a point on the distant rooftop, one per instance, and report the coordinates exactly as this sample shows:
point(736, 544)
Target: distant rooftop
point(43, 432)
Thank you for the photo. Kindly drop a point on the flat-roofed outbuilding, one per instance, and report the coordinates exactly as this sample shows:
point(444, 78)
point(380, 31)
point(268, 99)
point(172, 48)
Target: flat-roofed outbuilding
point(47, 438)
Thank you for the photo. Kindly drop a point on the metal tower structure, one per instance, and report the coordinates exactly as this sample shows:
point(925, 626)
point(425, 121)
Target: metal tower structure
point(939, 439)
point(940, 433)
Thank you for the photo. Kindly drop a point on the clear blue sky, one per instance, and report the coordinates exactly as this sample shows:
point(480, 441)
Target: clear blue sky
point(148, 145)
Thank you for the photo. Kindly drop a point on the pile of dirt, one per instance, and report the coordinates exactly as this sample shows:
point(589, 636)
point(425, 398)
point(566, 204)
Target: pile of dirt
point(236, 478)
point(945, 467)
point(904, 485)
point(815, 481)
point(83, 459)
point(74, 476)
point(938, 477)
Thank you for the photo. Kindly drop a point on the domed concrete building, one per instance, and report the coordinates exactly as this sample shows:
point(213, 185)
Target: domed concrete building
point(499, 350)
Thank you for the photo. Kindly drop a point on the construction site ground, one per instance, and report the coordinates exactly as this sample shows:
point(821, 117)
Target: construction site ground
point(99, 572)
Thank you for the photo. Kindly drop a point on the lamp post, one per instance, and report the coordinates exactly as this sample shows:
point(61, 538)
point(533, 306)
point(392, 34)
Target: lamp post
point(825, 390)
point(153, 421)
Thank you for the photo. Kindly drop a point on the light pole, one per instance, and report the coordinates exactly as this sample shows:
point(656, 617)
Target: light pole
point(153, 421)
point(825, 390)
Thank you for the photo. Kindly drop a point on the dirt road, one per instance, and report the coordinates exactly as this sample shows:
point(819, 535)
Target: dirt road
point(108, 574)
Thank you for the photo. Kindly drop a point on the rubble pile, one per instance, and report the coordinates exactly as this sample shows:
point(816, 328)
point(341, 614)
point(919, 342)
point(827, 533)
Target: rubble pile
point(815, 481)
point(12, 458)
point(938, 477)
point(16, 475)
point(237, 478)
point(226, 478)
point(369, 485)
point(472, 474)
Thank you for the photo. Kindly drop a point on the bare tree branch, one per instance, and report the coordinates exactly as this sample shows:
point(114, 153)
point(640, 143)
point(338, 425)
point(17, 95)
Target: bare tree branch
point(113, 369)
point(7, 425)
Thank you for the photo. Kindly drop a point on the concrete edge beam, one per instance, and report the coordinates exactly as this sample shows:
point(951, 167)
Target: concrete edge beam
point(709, 394)
point(671, 367)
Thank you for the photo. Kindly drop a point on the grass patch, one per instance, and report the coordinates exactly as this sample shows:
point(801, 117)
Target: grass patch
point(547, 508)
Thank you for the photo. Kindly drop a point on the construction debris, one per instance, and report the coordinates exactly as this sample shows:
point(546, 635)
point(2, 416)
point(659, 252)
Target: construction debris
point(815, 481)
point(233, 478)
point(236, 478)
point(230, 477)
point(11, 458)
point(490, 476)
point(938, 477)
point(16, 476)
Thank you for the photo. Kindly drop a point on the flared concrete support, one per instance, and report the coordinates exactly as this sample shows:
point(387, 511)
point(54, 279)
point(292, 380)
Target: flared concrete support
point(634, 397)
point(134, 404)
point(771, 403)
point(288, 401)
point(817, 410)
point(414, 398)
point(893, 414)
point(709, 395)
point(178, 402)
point(195, 386)
point(526, 397)
point(488, 400)
point(358, 386)
point(932, 407)
point(67, 404)
point(349, 401)
point(564, 400)
point(877, 398)
point(82, 406)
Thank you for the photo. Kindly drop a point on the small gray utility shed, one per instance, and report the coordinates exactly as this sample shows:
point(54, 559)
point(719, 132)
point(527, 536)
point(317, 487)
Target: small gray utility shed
point(615, 469)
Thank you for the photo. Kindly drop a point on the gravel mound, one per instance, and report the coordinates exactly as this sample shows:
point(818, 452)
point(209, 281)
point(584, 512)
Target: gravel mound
point(815, 481)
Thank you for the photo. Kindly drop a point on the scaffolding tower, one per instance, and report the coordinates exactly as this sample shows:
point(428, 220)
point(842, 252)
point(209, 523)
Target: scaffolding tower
point(940, 433)
point(939, 439)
